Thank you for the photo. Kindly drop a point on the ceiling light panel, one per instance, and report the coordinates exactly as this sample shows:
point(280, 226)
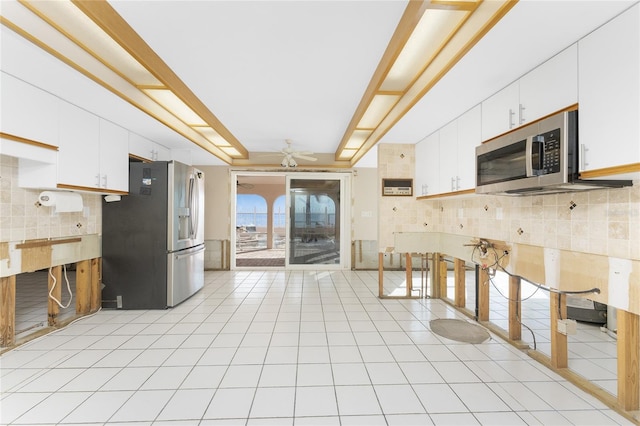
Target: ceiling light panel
point(67, 18)
point(435, 27)
point(174, 104)
point(379, 107)
point(212, 135)
point(357, 139)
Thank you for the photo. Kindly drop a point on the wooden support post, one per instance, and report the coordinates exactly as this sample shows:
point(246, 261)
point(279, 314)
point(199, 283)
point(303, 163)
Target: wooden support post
point(628, 359)
point(83, 287)
point(409, 273)
point(53, 309)
point(460, 280)
point(442, 282)
point(435, 275)
point(7, 311)
point(483, 295)
point(380, 274)
point(559, 349)
point(96, 294)
point(515, 309)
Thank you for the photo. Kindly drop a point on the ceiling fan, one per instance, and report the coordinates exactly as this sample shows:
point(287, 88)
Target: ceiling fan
point(290, 155)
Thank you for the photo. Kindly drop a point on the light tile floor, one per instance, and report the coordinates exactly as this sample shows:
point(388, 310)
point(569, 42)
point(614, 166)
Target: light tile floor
point(281, 348)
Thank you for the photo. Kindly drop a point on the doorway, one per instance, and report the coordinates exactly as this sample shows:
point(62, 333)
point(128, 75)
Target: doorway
point(290, 220)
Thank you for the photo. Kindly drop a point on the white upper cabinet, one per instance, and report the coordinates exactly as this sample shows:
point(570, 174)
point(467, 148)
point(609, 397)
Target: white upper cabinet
point(78, 158)
point(448, 158)
point(500, 112)
point(550, 87)
point(469, 137)
point(28, 112)
point(94, 153)
point(114, 157)
point(546, 89)
point(445, 161)
point(609, 87)
point(146, 149)
point(427, 168)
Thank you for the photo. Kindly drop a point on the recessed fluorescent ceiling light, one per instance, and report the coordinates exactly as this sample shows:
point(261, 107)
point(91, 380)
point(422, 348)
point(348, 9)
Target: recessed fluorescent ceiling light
point(176, 106)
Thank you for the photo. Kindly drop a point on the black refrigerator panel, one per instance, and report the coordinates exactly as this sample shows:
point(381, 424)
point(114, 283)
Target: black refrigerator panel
point(134, 241)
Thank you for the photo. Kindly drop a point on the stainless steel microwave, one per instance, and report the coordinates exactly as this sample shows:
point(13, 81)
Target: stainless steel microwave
point(541, 157)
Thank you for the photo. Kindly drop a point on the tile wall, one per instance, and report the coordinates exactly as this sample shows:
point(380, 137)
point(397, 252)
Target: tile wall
point(21, 219)
point(395, 214)
point(605, 222)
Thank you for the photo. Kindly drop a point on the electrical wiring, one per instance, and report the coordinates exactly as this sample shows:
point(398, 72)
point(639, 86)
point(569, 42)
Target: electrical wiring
point(53, 286)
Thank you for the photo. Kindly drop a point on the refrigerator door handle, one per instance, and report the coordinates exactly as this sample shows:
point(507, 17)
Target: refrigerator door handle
point(193, 219)
point(189, 253)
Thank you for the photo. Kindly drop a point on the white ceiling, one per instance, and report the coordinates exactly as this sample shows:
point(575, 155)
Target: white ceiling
point(276, 70)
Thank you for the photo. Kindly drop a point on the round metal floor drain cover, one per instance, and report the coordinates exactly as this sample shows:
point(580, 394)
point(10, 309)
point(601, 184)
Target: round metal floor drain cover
point(459, 330)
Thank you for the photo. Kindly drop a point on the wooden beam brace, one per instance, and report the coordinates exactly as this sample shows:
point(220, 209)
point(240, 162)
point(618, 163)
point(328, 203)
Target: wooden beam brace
point(515, 308)
point(83, 287)
point(559, 349)
point(442, 282)
point(96, 293)
point(55, 290)
point(460, 281)
point(409, 273)
point(628, 359)
point(380, 274)
point(484, 285)
point(7, 311)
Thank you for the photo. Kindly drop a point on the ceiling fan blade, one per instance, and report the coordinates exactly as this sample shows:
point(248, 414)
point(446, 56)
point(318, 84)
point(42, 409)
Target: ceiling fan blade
point(303, 157)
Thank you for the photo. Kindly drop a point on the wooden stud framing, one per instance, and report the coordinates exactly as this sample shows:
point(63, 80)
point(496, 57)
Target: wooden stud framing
point(435, 275)
point(53, 310)
point(409, 273)
point(83, 287)
point(515, 308)
point(380, 274)
point(460, 281)
point(442, 282)
point(628, 358)
point(95, 299)
point(483, 295)
point(559, 349)
point(7, 310)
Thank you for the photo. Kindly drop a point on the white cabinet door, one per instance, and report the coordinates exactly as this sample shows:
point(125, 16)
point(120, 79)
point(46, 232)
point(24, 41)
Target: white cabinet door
point(550, 87)
point(114, 157)
point(161, 153)
point(140, 147)
point(431, 164)
point(500, 112)
point(79, 154)
point(28, 112)
point(448, 157)
point(609, 93)
point(420, 180)
point(469, 136)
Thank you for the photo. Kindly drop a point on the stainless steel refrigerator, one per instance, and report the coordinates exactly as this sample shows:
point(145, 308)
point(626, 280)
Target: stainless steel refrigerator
point(153, 238)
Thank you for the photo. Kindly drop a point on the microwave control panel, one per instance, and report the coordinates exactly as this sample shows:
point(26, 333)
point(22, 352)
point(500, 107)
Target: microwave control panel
point(549, 152)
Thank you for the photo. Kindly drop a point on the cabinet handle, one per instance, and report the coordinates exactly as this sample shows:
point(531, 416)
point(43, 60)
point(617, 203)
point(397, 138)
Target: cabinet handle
point(98, 180)
point(453, 184)
point(104, 180)
point(457, 183)
point(511, 115)
point(583, 157)
point(521, 108)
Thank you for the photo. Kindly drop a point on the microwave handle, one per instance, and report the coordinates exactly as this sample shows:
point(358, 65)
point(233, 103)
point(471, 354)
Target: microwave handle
point(535, 144)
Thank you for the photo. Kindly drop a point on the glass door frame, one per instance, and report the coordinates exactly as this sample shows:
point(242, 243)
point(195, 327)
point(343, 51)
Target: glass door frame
point(344, 211)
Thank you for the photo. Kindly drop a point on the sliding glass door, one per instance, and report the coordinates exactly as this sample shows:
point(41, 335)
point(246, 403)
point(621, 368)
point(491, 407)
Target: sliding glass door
point(316, 232)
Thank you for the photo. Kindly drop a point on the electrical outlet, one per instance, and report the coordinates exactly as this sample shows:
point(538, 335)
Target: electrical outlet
point(568, 327)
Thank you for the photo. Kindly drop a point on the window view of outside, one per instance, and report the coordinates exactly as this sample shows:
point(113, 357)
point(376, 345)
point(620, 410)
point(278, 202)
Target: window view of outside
point(251, 222)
